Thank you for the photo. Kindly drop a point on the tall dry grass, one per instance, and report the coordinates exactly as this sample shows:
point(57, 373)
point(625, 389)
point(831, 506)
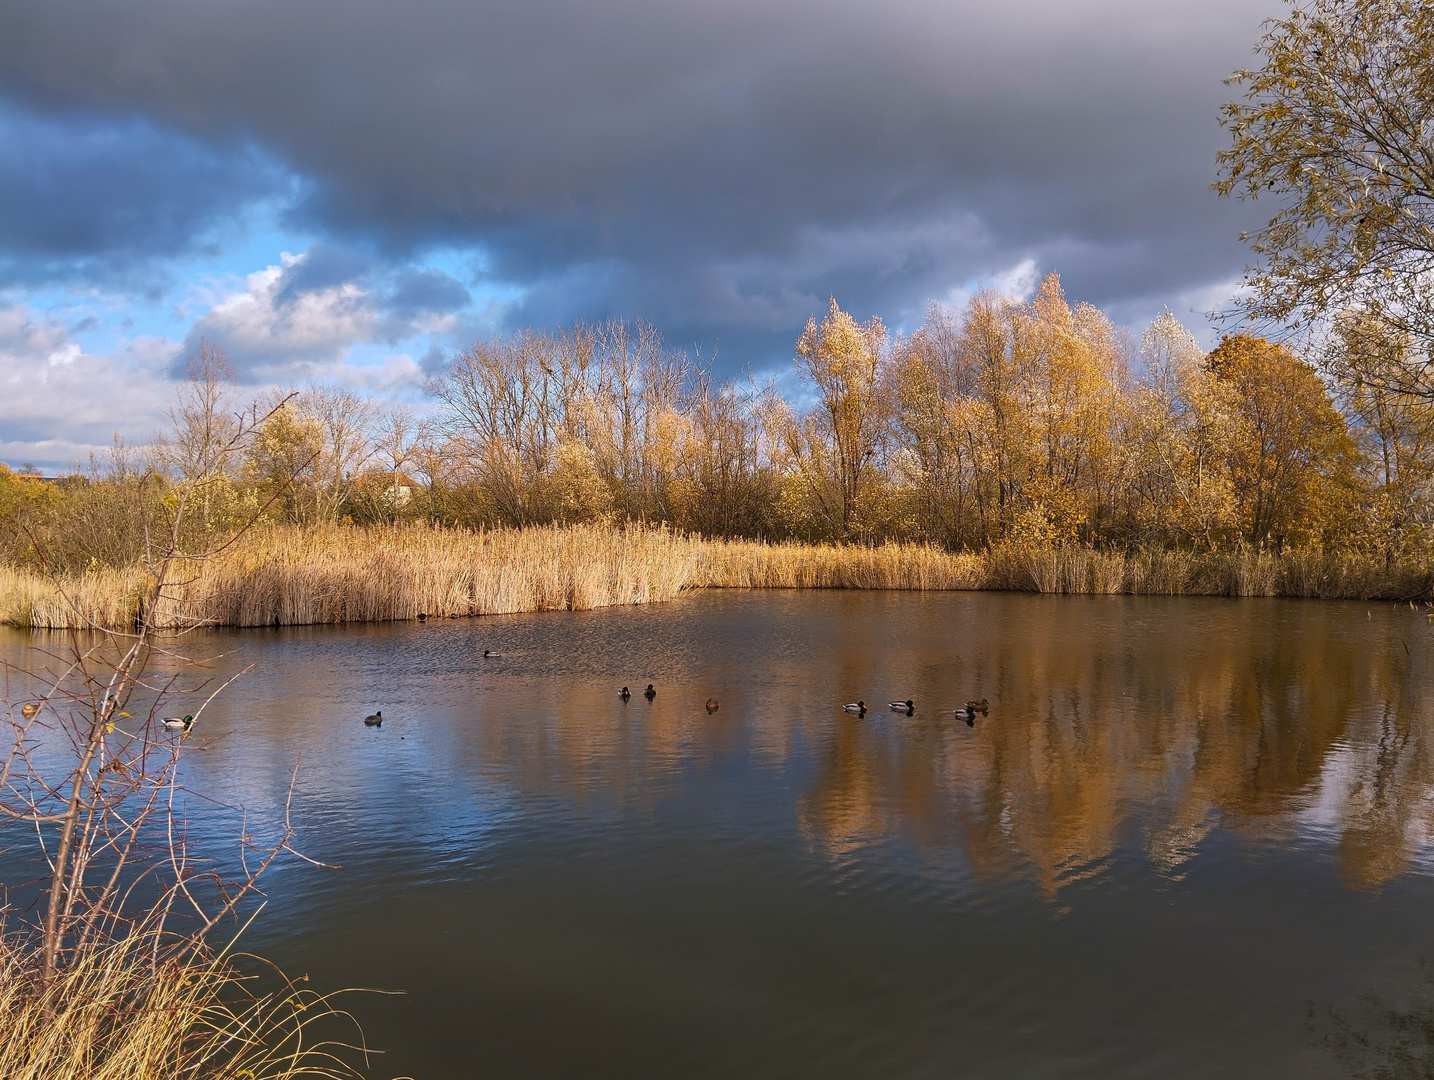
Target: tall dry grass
point(1245, 572)
point(745, 564)
point(297, 576)
point(109, 598)
point(335, 575)
point(118, 1011)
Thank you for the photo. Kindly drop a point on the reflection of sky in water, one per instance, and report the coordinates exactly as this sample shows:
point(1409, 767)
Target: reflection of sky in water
point(1124, 866)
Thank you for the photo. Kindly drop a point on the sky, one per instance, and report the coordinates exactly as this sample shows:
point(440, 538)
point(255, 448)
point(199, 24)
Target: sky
point(351, 191)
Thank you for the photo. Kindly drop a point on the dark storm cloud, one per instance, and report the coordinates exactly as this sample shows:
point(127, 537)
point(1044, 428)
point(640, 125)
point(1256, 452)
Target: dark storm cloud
point(416, 293)
point(95, 198)
point(718, 167)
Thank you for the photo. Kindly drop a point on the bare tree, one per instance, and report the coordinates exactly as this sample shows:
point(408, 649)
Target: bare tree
point(345, 424)
point(500, 418)
point(431, 457)
point(398, 438)
point(202, 424)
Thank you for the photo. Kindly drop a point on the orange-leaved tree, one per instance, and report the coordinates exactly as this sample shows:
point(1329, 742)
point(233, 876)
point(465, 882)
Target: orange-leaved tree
point(1288, 452)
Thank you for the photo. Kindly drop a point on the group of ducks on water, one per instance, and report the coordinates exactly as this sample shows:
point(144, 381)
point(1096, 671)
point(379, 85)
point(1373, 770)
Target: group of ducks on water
point(968, 713)
point(651, 692)
point(857, 708)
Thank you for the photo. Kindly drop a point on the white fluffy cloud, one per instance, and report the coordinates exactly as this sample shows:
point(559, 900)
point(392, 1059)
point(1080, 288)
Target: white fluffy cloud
point(1018, 282)
point(271, 332)
point(59, 403)
point(297, 321)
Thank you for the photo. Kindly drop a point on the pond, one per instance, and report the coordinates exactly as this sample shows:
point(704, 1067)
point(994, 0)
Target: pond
point(1192, 837)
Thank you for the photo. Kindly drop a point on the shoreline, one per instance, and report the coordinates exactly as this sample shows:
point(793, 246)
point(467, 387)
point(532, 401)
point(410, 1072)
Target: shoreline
point(346, 574)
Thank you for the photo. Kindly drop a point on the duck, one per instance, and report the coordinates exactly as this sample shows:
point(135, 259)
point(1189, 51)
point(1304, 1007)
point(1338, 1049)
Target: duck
point(908, 706)
point(970, 709)
point(30, 710)
point(178, 723)
point(374, 719)
point(712, 705)
point(624, 693)
point(858, 707)
point(491, 655)
point(649, 693)
point(108, 707)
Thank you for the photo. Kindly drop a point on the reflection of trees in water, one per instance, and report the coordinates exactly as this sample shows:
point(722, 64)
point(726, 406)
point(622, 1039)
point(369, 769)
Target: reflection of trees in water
point(1386, 791)
point(1281, 722)
point(1380, 1040)
point(1113, 721)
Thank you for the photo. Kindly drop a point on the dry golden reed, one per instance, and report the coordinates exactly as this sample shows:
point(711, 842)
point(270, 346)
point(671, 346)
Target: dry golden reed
point(298, 576)
point(115, 1012)
point(103, 598)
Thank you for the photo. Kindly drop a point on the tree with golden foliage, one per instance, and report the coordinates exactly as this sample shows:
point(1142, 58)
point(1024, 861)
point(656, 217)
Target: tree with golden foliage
point(1176, 426)
point(1336, 126)
point(280, 461)
point(1393, 431)
point(996, 384)
point(936, 464)
point(1076, 369)
point(1288, 453)
point(835, 447)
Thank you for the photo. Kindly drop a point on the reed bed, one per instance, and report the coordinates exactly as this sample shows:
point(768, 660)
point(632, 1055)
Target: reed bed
point(739, 564)
point(121, 1010)
point(293, 576)
point(1309, 574)
point(101, 598)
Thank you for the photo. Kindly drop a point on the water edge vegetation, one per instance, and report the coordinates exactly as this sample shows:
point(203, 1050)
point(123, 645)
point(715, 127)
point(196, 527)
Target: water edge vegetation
point(292, 575)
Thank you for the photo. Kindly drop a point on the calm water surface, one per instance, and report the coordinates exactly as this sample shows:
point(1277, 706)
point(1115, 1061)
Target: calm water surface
point(1191, 839)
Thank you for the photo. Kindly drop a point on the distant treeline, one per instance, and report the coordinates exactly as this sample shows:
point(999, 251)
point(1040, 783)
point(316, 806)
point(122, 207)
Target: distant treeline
point(1006, 422)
